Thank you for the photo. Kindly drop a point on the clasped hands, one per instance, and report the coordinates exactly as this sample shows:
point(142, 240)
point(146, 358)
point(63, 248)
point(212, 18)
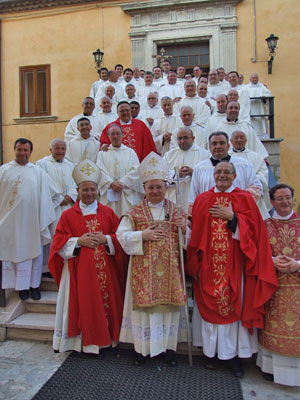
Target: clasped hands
point(221, 211)
point(286, 264)
point(92, 240)
point(156, 234)
point(67, 200)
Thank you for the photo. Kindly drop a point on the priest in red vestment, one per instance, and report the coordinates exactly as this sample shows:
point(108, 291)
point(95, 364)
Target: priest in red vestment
point(137, 136)
point(229, 258)
point(279, 350)
point(89, 268)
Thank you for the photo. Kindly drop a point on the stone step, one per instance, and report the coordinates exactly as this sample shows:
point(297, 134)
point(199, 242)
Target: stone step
point(48, 284)
point(47, 303)
point(31, 326)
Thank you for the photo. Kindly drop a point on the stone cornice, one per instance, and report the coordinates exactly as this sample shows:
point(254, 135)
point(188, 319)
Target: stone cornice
point(156, 5)
point(12, 6)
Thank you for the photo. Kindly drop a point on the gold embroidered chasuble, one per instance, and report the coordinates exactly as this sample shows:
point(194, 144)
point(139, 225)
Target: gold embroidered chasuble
point(282, 319)
point(156, 281)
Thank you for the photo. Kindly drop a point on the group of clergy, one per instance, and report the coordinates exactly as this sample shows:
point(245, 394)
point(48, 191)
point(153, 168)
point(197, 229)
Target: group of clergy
point(223, 193)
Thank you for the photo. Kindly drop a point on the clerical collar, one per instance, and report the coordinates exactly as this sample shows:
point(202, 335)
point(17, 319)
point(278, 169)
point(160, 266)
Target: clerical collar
point(215, 162)
point(230, 120)
point(221, 112)
point(86, 115)
point(239, 151)
point(126, 123)
point(156, 205)
point(87, 209)
point(277, 216)
point(229, 190)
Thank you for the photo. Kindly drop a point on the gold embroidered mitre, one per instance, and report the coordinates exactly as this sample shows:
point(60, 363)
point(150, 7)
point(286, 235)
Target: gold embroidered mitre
point(86, 170)
point(153, 167)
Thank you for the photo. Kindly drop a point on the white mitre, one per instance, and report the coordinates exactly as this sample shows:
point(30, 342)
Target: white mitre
point(153, 167)
point(85, 171)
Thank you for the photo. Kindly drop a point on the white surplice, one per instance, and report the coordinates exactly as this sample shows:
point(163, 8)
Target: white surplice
point(215, 90)
point(199, 131)
point(253, 142)
point(258, 107)
point(203, 177)
point(171, 91)
point(200, 109)
point(119, 163)
point(26, 212)
point(262, 173)
point(179, 158)
point(244, 101)
point(151, 333)
point(78, 149)
point(71, 130)
point(148, 112)
point(105, 119)
point(161, 126)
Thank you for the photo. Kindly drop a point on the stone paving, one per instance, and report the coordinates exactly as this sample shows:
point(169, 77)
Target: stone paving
point(26, 366)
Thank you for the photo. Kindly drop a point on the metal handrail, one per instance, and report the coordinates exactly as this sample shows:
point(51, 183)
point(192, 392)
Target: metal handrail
point(270, 115)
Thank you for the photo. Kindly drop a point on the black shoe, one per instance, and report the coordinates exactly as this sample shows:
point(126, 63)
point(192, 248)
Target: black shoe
point(237, 367)
point(171, 358)
point(35, 293)
point(211, 362)
point(268, 377)
point(138, 359)
point(24, 294)
point(47, 275)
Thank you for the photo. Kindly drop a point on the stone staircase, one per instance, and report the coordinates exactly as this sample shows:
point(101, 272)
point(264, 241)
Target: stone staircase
point(34, 320)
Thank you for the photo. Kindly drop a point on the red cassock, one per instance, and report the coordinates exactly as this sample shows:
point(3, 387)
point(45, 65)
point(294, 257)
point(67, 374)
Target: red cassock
point(137, 136)
point(97, 280)
point(221, 262)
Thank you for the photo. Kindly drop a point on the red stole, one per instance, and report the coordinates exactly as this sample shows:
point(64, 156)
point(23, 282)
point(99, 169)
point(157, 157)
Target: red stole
point(155, 276)
point(97, 280)
point(281, 333)
point(137, 136)
point(219, 260)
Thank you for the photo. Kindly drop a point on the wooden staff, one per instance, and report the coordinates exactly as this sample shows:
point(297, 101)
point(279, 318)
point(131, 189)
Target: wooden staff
point(186, 310)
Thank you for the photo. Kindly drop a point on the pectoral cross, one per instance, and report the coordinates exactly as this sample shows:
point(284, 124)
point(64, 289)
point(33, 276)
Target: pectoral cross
point(161, 57)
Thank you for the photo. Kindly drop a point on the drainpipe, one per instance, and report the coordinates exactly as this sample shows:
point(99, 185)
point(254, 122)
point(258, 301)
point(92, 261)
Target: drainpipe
point(1, 141)
point(254, 31)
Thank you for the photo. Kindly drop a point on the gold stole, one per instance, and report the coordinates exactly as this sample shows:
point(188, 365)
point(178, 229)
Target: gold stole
point(156, 281)
point(281, 333)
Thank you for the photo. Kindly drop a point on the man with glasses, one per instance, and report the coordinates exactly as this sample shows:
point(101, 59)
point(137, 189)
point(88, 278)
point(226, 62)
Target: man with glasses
point(279, 351)
point(230, 260)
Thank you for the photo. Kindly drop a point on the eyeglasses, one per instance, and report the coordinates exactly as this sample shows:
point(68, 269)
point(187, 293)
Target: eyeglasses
point(287, 198)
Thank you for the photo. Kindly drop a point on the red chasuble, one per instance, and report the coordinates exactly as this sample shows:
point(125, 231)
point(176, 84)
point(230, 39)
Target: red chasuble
point(281, 333)
point(137, 136)
point(221, 261)
point(97, 280)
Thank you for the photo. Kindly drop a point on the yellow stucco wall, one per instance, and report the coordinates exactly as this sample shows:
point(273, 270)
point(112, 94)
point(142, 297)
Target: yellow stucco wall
point(65, 39)
point(282, 19)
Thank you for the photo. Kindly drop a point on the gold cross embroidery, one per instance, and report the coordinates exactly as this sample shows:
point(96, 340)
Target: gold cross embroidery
point(153, 161)
point(88, 169)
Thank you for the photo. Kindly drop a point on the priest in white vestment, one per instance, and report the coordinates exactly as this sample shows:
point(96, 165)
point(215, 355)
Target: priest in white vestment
point(130, 91)
point(220, 113)
point(172, 89)
point(163, 127)
point(112, 81)
point(88, 106)
point(244, 99)
point(103, 77)
point(154, 296)
point(183, 158)
point(233, 95)
point(259, 106)
point(199, 131)
point(232, 123)
point(59, 169)
point(238, 141)
point(209, 101)
point(26, 212)
point(147, 87)
point(203, 179)
point(83, 146)
point(215, 88)
point(151, 111)
point(191, 99)
point(105, 113)
point(120, 187)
